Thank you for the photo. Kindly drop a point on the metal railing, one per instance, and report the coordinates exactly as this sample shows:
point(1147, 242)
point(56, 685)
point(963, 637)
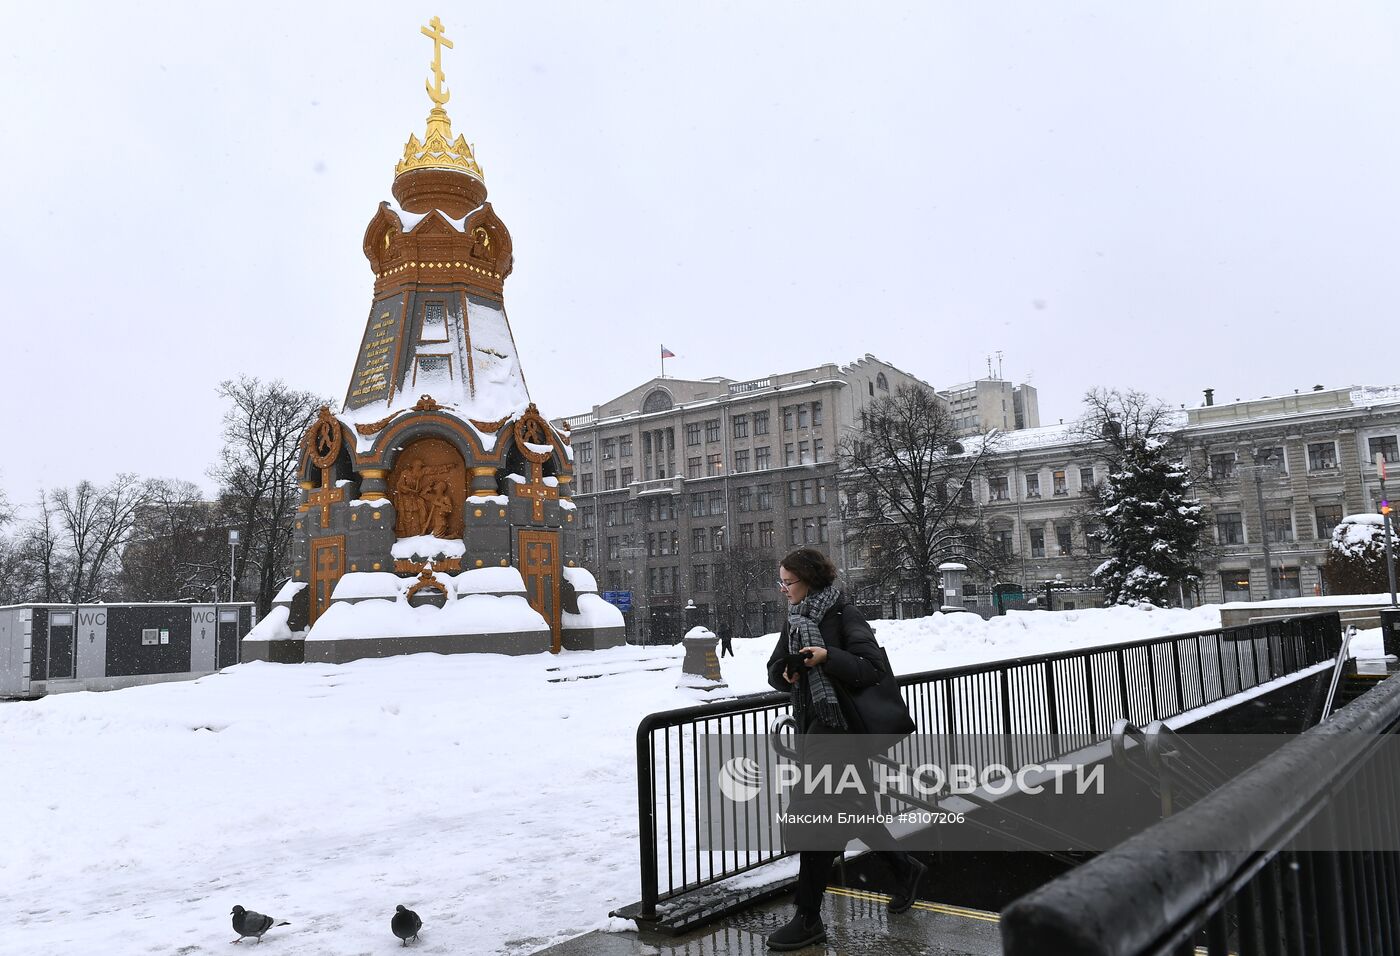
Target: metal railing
point(1040, 707)
point(1307, 861)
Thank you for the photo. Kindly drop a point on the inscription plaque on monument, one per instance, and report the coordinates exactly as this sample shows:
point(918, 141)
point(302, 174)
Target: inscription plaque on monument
point(373, 373)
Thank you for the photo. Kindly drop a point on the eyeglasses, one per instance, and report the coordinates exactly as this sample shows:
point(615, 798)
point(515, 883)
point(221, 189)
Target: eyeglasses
point(784, 585)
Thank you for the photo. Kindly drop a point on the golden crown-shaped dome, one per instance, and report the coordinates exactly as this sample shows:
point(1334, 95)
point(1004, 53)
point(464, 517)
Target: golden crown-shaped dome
point(437, 149)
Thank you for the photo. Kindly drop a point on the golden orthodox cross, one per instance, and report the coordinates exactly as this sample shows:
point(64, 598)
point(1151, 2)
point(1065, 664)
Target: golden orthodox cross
point(537, 490)
point(324, 495)
point(435, 91)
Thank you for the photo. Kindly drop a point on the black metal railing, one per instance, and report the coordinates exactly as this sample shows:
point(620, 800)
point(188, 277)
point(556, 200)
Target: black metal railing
point(1017, 712)
point(1307, 861)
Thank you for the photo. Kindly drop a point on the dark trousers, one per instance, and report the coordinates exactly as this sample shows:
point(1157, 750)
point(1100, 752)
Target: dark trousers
point(814, 866)
point(726, 648)
point(814, 869)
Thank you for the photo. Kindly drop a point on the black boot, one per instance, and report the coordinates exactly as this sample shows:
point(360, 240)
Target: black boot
point(804, 929)
point(909, 886)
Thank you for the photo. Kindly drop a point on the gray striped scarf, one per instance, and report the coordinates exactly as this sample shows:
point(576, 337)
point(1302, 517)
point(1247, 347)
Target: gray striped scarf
point(803, 618)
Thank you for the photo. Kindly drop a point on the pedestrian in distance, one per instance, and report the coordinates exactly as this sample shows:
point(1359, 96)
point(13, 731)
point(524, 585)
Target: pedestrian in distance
point(839, 678)
point(726, 642)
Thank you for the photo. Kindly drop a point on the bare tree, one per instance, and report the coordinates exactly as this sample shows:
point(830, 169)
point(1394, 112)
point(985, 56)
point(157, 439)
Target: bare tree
point(94, 523)
point(908, 485)
point(257, 473)
point(177, 547)
point(741, 577)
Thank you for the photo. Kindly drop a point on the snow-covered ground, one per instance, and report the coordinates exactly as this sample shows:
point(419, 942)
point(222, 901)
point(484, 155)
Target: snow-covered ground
point(494, 795)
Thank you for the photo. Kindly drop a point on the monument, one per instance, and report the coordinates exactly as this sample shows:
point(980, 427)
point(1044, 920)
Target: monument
point(435, 511)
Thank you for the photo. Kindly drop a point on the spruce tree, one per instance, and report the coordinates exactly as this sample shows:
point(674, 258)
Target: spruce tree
point(1150, 526)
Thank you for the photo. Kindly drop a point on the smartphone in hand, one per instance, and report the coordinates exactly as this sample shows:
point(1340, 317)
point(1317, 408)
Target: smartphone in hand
point(794, 663)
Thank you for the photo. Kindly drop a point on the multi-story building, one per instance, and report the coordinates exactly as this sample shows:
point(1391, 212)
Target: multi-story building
point(991, 403)
point(678, 479)
point(1281, 474)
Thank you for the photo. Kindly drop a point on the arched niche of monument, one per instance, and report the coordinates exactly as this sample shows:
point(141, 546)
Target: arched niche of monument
point(428, 488)
point(490, 240)
point(517, 463)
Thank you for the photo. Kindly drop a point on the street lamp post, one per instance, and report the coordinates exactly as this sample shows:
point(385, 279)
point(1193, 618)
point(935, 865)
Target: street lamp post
point(1263, 525)
point(232, 578)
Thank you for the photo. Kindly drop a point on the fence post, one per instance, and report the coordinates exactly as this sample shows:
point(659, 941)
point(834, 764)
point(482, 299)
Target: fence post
point(646, 820)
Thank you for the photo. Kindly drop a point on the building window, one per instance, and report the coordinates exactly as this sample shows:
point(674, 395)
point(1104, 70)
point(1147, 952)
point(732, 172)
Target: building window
point(821, 492)
point(692, 467)
point(1286, 582)
point(699, 540)
point(1278, 525)
point(765, 534)
point(692, 433)
point(1086, 480)
point(1229, 527)
point(624, 446)
point(1032, 486)
point(712, 430)
point(585, 453)
point(1327, 518)
point(1322, 456)
point(816, 449)
point(746, 536)
point(611, 513)
point(697, 505)
point(609, 481)
point(789, 417)
point(1234, 585)
point(609, 448)
point(1093, 540)
point(717, 539)
point(1060, 486)
point(626, 476)
point(794, 531)
point(586, 549)
point(760, 423)
point(789, 454)
point(1222, 466)
point(614, 548)
point(587, 517)
point(765, 497)
point(714, 464)
point(821, 530)
point(700, 577)
point(585, 485)
point(881, 382)
point(803, 416)
point(1002, 542)
point(745, 498)
point(716, 502)
point(1063, 540)
point(741, 461)
point(816, 413)
point(1386, 446)
point(804, 454)
point(740, 425)
point(998, 488)
point(1273, 457)
point(1037, 542)
point(762, 458)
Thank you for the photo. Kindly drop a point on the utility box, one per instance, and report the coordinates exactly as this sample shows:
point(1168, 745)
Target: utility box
point(1390, 630)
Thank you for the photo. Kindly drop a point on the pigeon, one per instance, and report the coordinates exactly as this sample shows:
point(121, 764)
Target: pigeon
point(405, 924)
point(248, 923)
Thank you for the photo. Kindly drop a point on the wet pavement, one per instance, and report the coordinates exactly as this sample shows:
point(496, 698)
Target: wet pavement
point(856, 925)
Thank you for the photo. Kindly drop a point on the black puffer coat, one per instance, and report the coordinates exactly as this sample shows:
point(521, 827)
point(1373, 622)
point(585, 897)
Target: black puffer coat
point(853, 658)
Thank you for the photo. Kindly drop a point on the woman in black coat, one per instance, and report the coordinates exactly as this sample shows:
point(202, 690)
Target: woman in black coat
point(838, 655)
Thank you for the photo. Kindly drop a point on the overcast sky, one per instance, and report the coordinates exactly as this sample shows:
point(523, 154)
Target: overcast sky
point(1157, 196)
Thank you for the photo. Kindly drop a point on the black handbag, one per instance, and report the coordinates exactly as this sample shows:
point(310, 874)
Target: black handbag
point(880, 711)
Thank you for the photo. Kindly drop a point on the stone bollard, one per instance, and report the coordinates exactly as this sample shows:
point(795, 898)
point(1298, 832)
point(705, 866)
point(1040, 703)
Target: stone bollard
point(700, 671)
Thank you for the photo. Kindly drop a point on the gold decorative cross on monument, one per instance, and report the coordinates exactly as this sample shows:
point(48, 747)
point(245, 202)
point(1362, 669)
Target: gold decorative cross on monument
point(323, 497)
point(436, 93)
